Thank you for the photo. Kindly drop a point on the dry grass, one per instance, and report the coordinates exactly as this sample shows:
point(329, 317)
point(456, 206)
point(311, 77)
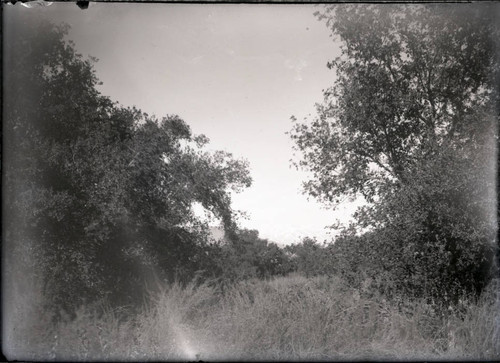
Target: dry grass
point(292, 318)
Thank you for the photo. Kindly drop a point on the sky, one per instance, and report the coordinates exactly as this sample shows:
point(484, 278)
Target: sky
point(234, 72)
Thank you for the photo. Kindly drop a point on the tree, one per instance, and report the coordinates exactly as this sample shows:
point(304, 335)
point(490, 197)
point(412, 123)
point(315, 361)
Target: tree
point(311, 258)
point(407, 77)
point(245, 255)
point(103, 194)
point(411, 116)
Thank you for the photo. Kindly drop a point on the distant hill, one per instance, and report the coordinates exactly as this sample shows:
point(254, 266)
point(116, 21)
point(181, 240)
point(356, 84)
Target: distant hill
point(217, 233)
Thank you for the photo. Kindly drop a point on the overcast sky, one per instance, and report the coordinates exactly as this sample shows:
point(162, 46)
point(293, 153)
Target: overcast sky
point(234, 72)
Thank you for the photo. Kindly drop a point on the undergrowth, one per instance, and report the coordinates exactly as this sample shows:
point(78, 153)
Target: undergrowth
point(290, 318)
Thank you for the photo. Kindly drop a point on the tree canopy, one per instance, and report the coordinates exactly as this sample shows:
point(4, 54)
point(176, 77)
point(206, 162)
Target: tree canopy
point(409, 80)
point(101, 195)
point(410, 124)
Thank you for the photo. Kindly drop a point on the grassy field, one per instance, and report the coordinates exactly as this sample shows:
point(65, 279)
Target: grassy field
point(290, 318)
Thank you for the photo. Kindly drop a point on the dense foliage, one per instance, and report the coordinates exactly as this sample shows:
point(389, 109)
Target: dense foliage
point(410, 124)
point(242, 254)
point(99, 196)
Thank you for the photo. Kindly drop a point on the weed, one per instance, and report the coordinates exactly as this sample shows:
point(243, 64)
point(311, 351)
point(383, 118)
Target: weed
point(287, 318)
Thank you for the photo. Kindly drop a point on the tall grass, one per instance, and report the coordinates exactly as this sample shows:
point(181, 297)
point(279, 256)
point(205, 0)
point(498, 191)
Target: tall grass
point(291, 318)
